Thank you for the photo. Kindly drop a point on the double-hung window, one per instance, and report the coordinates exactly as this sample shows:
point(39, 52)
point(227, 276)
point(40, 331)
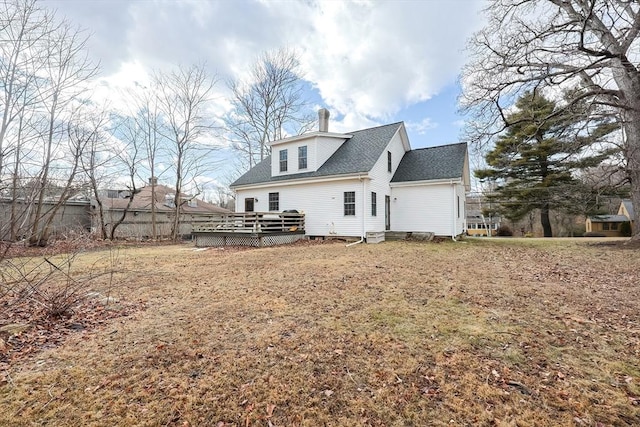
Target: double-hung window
point(302, 157)
point(283, 160)
point(349, 203)
point(274, 201)
point(374, 204)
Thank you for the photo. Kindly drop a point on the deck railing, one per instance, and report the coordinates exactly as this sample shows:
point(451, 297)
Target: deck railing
point(254, 222)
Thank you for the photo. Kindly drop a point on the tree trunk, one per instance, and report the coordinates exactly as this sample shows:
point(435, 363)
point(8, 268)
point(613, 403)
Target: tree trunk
point(154, 231)
point(37, 236)
point(13, 222)
point(633, 170)
point(120, 220)
point(175, 228)
point(627, 78)
point(544, 220)
point(100, 214)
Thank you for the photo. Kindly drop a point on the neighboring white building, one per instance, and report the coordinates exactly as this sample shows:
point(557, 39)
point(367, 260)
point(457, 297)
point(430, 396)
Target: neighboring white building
point(367, 181)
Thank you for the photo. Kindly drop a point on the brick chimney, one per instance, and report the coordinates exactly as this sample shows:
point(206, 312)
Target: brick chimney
point(323, 118)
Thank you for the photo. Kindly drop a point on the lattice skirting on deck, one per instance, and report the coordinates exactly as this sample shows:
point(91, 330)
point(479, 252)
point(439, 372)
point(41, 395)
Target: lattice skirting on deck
point(212, 239)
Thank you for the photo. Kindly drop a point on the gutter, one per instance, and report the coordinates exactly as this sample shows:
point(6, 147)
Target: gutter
point(295, 181)
point(426, 182)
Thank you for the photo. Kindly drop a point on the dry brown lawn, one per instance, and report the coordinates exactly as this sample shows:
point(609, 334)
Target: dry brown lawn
point(513, 332)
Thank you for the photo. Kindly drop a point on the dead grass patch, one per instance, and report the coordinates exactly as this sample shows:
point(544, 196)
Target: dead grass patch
point(395, 334)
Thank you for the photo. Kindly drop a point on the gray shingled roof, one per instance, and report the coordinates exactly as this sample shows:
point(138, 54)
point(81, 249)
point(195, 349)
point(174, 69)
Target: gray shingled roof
point(443, 162)
point(609, 218)
point(357, 154)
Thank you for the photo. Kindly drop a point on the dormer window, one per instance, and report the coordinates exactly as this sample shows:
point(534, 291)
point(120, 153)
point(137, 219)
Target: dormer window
point(283, 160)
point(302, 157)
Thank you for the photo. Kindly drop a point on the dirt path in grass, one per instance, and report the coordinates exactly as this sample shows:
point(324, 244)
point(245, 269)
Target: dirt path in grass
point(480, 333)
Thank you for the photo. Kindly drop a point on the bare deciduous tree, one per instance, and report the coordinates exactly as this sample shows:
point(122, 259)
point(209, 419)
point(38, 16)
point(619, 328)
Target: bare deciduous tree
point(23, 29)
point(129, 157)
point(269, 100)
point(183, 97)
point(65, 73)
point(43, 71)
point(96, 159)
point(534, 45)
point(147, 119)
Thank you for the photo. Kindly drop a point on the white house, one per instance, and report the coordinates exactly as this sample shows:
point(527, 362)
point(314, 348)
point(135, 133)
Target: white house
point(364, 182)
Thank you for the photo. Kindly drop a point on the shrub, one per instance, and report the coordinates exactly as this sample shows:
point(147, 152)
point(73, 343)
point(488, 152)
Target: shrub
point(52, 284)
point(625, 229)
point(503, 230)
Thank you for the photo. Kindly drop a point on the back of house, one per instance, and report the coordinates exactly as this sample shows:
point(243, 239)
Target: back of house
point(361, 183)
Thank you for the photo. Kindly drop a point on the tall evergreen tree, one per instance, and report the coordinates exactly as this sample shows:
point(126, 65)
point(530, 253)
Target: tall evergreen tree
point(534, 161)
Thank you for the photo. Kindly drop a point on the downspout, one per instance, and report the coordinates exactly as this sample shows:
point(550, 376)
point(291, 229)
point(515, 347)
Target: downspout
point(453, 216)
point(363, 215)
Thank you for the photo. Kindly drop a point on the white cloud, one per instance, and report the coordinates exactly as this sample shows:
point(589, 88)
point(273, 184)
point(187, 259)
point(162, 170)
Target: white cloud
point(421, 127)
point(350, 122)
point(366, 58)
point(375, 58)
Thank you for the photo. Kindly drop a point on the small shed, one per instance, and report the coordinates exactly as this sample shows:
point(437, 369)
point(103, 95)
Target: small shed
point(608, 225)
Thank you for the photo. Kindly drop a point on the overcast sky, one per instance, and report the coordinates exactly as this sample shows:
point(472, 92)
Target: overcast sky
point(368, 62)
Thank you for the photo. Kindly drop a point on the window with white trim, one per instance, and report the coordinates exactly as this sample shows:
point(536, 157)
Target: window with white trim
point(374, 204)
point(349, 203)
point(283, 160)
point(302, 157)
point(274, 201)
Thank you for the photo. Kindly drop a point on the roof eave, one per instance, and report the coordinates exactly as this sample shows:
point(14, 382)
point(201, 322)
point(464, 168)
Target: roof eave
point(310, 135)
point(298, 181)
point(404, 137)
point(458, 180)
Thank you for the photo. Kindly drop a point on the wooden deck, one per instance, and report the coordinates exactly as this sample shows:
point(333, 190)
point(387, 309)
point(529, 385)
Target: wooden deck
point(254, 222)
point(250, 229)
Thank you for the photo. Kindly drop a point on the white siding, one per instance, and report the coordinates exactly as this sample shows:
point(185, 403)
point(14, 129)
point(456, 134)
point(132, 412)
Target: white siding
point(380, 179)
point(319, 149)
point(292, 156)
point(426, 208)
point(423, 208)
point(322, 204)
